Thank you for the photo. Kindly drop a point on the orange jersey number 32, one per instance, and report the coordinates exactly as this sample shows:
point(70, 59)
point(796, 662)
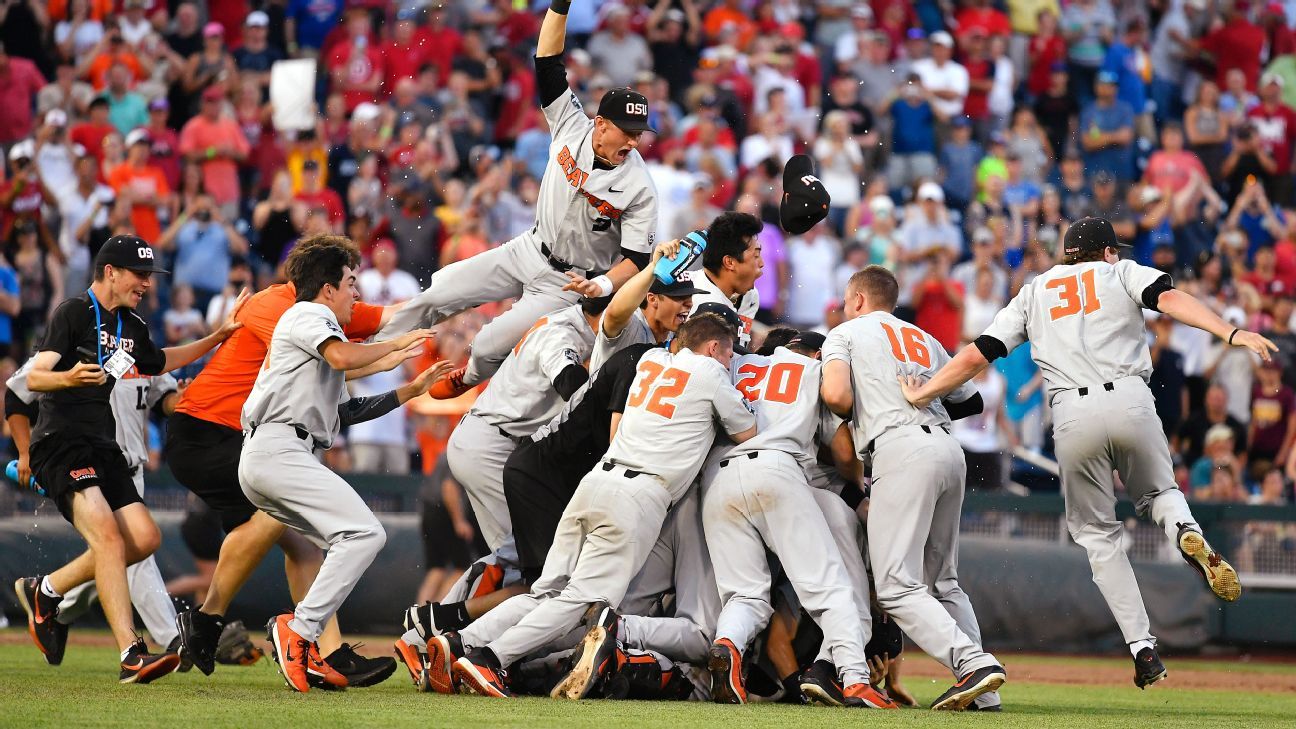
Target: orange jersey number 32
point(658, 395)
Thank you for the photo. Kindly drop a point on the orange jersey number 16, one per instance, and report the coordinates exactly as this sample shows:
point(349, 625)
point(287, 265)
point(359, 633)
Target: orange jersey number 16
point(914, 347)
point(1070, 301)
point(658, 395)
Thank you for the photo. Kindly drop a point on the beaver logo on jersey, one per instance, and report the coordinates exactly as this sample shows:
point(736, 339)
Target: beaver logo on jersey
point(576, 177)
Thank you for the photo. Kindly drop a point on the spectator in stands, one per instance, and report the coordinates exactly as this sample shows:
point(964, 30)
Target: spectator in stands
point(1106, 131)
point(83, 213)
point(616, 51)
point(255, 57)
point(205, 244)
point(111, 51)
point(812, 258)
point(20, 80)
point(1275, 126)
point(1088, 26)
point(840, 164)
point(1273, 420)
point(142, 186)
point(40, 281)
point(1218, 455)
point(355, 65)
point(938, 302)
point(216, 143)
point(1167, 382)
point(913, 133)
point(314, 194)
point(77, 34)
point(983, 302)
point(126, 109)
point(1058, 110)
point(1235, 44)
point(927, 236)
point(946, 79)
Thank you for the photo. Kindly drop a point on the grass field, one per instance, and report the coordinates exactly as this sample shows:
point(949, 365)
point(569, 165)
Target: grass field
point(83, 692)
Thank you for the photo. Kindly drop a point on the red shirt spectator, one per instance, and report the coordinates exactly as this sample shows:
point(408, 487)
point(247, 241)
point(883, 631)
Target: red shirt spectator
point(97, 71)
point(90, 134)
point(217, 143)
point(405, 53)
point(231, 14)
point(976, 105)
point(980, 15)
point(19, 82)
point(1046, 48)
point(939, 309)
point(1236, 44)
point(1275, 124)
point(517, 99)
point(516, 27)
point(315, 195)
point(358, 70)
point(1282, 40)
point(729, 14)
point(442, 43)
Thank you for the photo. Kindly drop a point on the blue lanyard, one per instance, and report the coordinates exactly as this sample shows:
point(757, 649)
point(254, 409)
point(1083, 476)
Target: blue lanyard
point(99, 327)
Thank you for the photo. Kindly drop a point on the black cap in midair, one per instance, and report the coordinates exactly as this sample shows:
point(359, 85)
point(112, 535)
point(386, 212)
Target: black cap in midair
point(1091, 234)
point(805, 200)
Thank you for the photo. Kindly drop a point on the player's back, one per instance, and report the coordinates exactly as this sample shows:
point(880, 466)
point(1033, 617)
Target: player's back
point(1084, 321)
point(880, 348)
point(675, 405)
point(783, 389)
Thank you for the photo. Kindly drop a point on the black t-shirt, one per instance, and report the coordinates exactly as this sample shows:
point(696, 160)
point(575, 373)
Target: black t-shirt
point(579, 441)
point(861, 117)
point(1054, 113)
point(1192, 436)
point(86, 412)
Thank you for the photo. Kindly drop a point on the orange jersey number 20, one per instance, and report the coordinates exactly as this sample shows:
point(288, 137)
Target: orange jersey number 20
point(780, 383)
point(1070, 302)
point(658, 394)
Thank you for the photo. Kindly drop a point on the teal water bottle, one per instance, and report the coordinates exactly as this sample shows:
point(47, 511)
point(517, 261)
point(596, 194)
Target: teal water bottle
point(670, 270)
point(11, 471)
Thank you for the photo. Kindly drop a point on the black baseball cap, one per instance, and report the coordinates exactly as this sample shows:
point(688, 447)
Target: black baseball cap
point(729, 315)
point(805, 200)
point(678, 290)
point(1091, 234)
point(813, 341)
point(626, 108)
point(128, 251)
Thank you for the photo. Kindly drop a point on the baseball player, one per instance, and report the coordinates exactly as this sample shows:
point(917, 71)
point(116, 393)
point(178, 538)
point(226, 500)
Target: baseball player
point(918, 472)
point(75, 458)
point(295, 410)
point(203, 446)
point(615, 515)
point(731, 264)
point(1083, 320)
point(597, 211)
point(644, 311)
point(133, 396)
point(756, 495)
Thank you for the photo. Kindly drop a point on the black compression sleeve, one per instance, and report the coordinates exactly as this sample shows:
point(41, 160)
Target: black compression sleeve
point(991, 348)
point(852, 495)
point(560, 6)
point(640, 259)
point(360, 409)
point(551, 79)
point(966, 409)
point(1153, 292)
point(570, 380)
point(14, 405)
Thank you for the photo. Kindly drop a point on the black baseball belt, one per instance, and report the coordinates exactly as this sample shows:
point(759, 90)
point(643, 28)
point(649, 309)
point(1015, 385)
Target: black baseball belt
point(926, 429)
point(301, 433)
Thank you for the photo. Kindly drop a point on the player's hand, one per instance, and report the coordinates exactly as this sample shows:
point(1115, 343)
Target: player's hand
point(429, 377)
point(408, 339)
point(86, 375)
point(665, 249)
point(1255, 343)
point(583, 286)
point(911, 387)
point(231, 323)
point(392, 360)
point(24, 471)
point(900, 694)
point(877, 670)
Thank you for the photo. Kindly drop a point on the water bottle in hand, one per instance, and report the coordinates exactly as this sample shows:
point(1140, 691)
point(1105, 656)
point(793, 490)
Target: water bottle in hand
point(670, 270)
point(11, 471)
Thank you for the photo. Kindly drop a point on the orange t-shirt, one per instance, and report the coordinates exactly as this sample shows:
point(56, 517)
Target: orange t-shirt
point(218, 393)
point(147, 180)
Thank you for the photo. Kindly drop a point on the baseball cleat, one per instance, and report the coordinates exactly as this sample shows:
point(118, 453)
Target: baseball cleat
point(140, 667)
point(478, 673)
point(1219, 574)
point(49, 635)
point(438, 669)
point(1148, 668)
point(451, 387)
point(412, 659)
point(290, 652)
point(358, 670)
point(177, 648)
point(725, 664)
point(980, 681)
point(865, 696)
point(595, 657)
point(820, 686)
point(200, 636)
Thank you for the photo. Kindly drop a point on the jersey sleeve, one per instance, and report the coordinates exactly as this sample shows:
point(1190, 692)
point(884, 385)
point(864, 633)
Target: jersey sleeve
point(1009, 325)
point(554, 350)
point(17, 384)
point(639, 223)
point(731, 408)
point(561, 107)
point(311, 330)
point(836, 347)
point(1138, 279)
point(159, 388)
point(366, 320)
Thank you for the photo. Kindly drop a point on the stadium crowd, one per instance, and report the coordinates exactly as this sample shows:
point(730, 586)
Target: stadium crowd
point(957, 140)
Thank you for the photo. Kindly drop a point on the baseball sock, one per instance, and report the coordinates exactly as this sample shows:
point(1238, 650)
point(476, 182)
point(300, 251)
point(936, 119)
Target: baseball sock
point(47, 588)
point(1139, 645)
point(792, 690)
point(451, 616)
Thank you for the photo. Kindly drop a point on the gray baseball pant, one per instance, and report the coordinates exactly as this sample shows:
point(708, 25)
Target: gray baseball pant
point(1115, 430)
point(913, 526)
point(515, 269)
point(280, 476)
point(848, 534)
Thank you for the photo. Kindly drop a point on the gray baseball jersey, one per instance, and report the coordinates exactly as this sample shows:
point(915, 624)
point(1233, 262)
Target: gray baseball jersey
point(296, 386)
point(131, 399)
point(746, 305)
point(636, 331)
point(670, 418)
point(784, 391)
point(879, 348)
point(588, 211)
point(521, 396)
point(1084, 322)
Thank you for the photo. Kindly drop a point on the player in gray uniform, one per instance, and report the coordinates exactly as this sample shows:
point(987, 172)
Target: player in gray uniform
point(1084, 321)
point(132, 397)
point(617, 512)
point(295, 409)
point(918, 473)
point(596, 212)
point(731, 264)
point(756, 494)
point(644, 310)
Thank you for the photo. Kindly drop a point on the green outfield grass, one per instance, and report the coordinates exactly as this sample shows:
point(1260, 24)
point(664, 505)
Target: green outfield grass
point(83, 692)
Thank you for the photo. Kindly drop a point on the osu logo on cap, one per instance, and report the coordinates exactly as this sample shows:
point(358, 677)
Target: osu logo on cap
point(635, 108)
point(145, 252)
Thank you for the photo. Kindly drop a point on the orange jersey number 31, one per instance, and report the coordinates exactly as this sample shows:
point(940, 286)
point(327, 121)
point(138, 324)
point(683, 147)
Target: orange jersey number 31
point(1070, 302)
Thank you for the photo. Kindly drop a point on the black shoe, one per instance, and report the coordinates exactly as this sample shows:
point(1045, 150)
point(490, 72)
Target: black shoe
point(360, 671)
point(991, 709)
point(140, 667)
point(1220, 576)
point(820, 686)
point(175, 647)
point(1148, 668)
point(199, 636)
point(980, 681)
point(595, 657)
point(49, 634)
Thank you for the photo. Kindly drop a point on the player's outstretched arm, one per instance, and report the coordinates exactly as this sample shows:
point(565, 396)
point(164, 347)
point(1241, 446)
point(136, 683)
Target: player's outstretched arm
point(1186, 309)
point(964, 366)
point(184, 354)
point(553, 30)
point(343, 355)
point(628, 297)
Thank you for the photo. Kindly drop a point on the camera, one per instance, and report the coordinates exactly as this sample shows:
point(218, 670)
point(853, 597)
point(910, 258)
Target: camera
point(203, 216)
point(1245, 132)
